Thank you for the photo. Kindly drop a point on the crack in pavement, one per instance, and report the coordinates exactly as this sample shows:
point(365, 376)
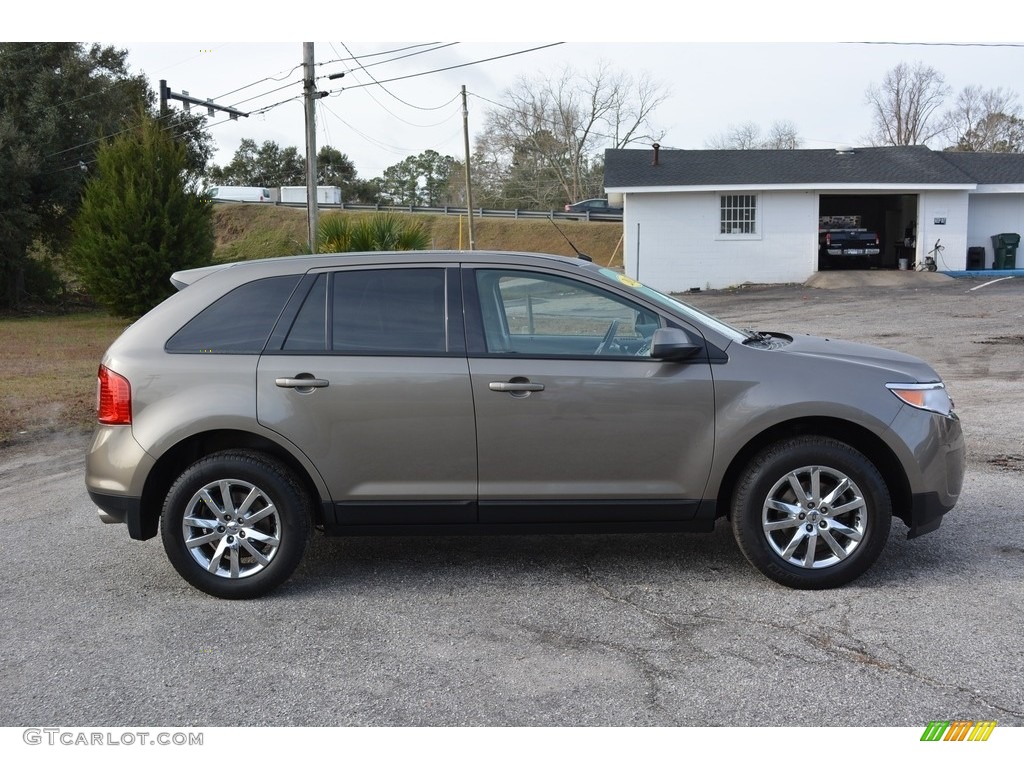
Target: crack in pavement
point(830, 643)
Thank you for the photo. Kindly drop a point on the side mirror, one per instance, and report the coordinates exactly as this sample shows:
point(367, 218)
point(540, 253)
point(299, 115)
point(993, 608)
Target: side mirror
point(672, 344)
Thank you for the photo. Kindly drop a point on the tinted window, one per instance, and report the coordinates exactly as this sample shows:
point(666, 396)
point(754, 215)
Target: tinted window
point(239, 322)
point(389, 311)
point(534, 314)
point(309, 331)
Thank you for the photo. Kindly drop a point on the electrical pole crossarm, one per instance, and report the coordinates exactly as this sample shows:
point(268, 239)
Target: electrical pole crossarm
point(167, 95)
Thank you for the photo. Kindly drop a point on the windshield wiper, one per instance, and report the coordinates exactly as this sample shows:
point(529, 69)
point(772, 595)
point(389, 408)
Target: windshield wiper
point(761, 336)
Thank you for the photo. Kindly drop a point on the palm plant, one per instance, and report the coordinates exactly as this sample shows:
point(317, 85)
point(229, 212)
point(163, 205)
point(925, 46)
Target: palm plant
point(339, 233)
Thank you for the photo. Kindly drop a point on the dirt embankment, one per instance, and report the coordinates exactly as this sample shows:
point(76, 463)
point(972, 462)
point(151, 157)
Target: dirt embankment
point(256, 231)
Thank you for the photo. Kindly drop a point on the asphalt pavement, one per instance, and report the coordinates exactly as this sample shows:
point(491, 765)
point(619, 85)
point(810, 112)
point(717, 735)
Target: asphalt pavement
point(632, 630)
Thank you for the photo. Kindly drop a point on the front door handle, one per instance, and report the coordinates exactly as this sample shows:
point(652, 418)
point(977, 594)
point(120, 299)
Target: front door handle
point(304, 382)
point(515, 386)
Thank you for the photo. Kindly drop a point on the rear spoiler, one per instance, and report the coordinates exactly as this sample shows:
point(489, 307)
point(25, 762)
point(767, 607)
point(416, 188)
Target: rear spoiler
point(186, 277)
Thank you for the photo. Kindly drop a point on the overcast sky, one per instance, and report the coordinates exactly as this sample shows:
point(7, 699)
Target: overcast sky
point(817, 86)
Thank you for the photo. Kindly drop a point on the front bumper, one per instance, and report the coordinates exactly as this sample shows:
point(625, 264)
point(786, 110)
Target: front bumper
point(926, 513)
point(940, 455)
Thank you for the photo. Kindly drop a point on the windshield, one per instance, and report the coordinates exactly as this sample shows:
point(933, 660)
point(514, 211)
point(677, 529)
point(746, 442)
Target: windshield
point(677, 306)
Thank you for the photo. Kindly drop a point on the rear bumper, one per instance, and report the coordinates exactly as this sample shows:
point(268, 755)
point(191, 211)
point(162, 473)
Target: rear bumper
point(855, 253)
point(115, 469)
point(127, 510)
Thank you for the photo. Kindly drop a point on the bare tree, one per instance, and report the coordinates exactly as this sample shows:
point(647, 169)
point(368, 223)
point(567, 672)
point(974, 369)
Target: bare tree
point(781, 135)
point(551, 133)
point(744, 136)
point(904, 106)
point(985, 121)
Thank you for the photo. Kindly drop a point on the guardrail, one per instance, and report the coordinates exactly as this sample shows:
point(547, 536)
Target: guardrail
point(450, 211)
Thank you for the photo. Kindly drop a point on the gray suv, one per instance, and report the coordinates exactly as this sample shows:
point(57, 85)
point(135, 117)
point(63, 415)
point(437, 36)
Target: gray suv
point(467, 392)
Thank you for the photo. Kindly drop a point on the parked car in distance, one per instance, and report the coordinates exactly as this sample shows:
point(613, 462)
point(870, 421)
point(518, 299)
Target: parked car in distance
point(594, 206)
point(848, 248)
point(470, 392)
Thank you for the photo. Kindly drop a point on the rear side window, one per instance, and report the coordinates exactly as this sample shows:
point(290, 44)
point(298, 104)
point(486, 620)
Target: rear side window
point(389, 311)
point(374, 312)
point(237, 323)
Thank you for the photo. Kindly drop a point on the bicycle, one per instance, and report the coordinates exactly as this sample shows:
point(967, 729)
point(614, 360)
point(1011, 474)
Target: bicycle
point(930, 262)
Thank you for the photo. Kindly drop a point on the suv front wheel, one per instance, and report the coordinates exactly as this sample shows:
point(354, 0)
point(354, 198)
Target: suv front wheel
point(811, 512)
point(236, 524)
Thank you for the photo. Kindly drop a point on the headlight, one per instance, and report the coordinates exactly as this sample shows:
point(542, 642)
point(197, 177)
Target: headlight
point(927, 397)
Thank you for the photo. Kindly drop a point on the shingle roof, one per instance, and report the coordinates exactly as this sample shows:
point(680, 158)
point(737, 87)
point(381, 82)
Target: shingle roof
point(989, 167)
point(916, 165)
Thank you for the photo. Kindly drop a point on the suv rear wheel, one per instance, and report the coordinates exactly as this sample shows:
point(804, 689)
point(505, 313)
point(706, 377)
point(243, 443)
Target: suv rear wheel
point(236, 524)
point(811, 513)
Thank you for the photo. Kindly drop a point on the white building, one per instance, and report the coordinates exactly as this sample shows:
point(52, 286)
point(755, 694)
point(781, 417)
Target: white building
point(716, 218)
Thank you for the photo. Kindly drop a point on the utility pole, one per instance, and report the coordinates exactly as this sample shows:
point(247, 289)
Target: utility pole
point(311, 95)
point(469, 186)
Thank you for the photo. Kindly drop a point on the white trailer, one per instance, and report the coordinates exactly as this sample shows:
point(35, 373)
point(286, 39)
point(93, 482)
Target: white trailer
point(240, 194)
point(324, 195)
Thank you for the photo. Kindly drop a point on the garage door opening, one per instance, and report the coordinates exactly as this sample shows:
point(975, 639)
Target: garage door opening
point(860, 231)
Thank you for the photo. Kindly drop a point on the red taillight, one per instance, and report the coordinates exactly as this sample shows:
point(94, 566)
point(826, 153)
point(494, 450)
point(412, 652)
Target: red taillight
point(113, 398)
point(828, 238)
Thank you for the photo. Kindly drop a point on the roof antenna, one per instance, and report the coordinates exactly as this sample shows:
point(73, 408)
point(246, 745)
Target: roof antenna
point(579, 255)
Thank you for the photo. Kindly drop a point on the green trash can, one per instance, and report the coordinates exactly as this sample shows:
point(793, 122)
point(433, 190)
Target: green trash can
point(1005, 246)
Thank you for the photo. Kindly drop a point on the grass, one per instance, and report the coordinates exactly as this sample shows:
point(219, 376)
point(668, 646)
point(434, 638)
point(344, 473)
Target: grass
point(248, 231)
point(50, 362)
point(50, 371)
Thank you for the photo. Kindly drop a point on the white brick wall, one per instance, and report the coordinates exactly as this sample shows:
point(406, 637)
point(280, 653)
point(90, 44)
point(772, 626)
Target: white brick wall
point(672, 241)
point(951, 206)
point(994, 215)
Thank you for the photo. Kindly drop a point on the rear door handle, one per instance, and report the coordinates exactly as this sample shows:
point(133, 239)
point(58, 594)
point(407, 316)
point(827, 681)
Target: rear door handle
point(515, 386)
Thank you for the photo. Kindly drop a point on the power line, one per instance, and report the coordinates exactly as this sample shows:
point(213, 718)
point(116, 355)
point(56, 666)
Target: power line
point(388, 53)
point(389, 93)
point(376, 142)
point(352, 57)
point(338, 91)
point(937, 44)
point(257, 82)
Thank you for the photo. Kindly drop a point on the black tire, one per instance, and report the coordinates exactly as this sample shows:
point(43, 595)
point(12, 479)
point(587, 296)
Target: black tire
point(787, 535)
point(230, 555)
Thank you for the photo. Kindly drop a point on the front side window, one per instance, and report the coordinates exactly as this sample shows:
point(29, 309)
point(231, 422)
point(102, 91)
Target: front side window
point(546, 315)
point(738, 215)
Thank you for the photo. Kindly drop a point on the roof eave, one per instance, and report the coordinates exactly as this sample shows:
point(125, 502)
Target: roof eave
point(816, 187)
point(993, 189)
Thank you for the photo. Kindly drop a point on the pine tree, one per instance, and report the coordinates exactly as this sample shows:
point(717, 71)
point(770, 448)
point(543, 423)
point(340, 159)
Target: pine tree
point(142, 218)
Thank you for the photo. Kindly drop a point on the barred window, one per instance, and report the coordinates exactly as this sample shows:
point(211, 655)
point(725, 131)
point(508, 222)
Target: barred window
point(739, 215)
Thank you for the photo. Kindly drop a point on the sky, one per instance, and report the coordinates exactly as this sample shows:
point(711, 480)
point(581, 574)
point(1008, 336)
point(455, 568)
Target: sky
point(794, 62)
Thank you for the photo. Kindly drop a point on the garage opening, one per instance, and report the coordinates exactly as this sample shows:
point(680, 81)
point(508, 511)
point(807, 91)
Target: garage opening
point(860, 231)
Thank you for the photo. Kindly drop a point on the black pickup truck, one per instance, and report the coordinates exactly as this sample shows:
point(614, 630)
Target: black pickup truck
point(847, 248)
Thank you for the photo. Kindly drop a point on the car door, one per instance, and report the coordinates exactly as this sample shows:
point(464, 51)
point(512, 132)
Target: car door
point(370, 381)
point(575, 421)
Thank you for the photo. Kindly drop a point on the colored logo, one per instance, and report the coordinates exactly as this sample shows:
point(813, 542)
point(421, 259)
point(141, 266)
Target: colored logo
point(958, 730)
